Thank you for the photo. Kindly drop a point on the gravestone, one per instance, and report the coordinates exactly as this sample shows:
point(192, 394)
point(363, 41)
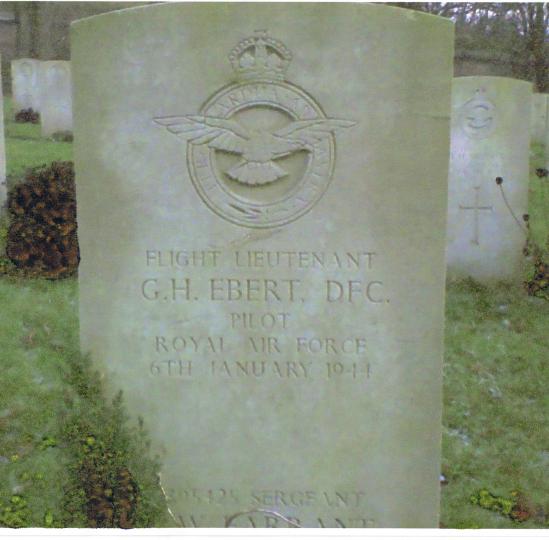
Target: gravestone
point(490, 139)
point(547, 142)
point(538, 118)
point(3, 186)
point(25, 85)
point(262, 235)
point(55, 97)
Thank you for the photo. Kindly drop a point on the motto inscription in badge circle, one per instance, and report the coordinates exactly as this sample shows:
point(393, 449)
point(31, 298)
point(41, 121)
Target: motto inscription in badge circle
point(261, 152)
point(263, 193)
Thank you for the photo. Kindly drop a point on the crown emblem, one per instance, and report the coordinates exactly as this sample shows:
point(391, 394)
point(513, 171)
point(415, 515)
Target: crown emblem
point(260, 57)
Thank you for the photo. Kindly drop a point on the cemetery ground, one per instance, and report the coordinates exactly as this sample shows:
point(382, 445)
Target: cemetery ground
point(70, 459)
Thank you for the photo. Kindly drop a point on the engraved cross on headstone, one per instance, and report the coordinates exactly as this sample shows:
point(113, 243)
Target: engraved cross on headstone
point(476, 207)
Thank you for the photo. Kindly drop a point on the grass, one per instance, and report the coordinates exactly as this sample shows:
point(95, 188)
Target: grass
point(54, 422)
point(539, 200)
point(26, 148)
point(496, 431)
point(39, 333)
point(59, 439)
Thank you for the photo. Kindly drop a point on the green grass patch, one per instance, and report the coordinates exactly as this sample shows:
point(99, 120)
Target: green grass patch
point(38, 332)
point(495, 402)
point(55, 423)
point(539, 201)
point(26, 148)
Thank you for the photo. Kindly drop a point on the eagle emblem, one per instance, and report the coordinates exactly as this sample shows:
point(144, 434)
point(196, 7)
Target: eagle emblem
point(261, 149)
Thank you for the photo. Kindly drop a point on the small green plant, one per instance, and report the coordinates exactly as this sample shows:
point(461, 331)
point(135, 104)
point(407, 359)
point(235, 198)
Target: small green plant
point(513, 507)
point(48, 442)
point(15, 512)
point(48, 519)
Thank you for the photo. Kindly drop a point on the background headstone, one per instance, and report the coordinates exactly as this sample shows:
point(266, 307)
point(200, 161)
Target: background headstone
point(55, 97)
point(490, 139)
point(272, 308)
point(25, 84)
point(538, 118)
point(547, 142)
point(3, 185)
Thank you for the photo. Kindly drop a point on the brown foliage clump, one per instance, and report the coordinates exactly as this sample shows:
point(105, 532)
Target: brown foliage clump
point(539, 284)
point(27, 116)
point(111, 495)
point(110, 502)
point(42, 238)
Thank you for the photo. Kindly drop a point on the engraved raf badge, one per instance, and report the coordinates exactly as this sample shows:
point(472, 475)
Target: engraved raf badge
point(261, 152)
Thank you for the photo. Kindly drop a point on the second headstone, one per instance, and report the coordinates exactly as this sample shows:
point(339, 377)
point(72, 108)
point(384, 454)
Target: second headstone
point(25, 86)
point(539, 116)
point(490, 140)
point(3, 186)
point(55, 97)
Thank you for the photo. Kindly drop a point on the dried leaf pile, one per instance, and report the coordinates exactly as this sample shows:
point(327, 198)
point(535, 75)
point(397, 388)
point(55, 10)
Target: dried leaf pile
point(27, 116)
point(42, 236)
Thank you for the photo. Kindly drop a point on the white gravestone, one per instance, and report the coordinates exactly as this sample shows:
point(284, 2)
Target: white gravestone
point(490, 139)
point(547, 143)
point(262, 234)
point(55, 97)
point(25, 84)
point(539, 116)
point(3, 186)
